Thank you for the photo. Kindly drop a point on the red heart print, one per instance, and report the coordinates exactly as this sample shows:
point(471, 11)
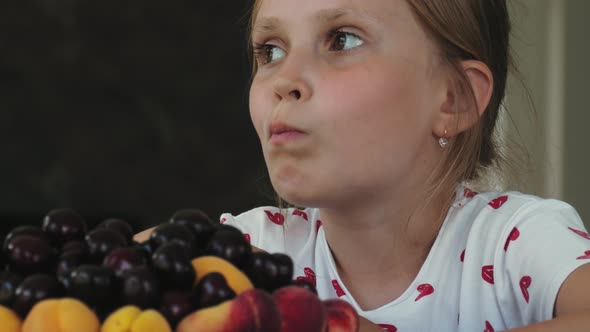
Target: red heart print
point(387, 327)
point(301, 214)
point(487, 273)
point(586, 255)
point(309, 276)
point(248, 238)
point(223, 220)
point(337, 288)
point(514, 234)
point(276, 218)
point(463, 256)
point(498, 202)
point(580, 233)
point(468, 193)
point(489, 327)
point(318, 225)
point(425, 290)
point(525, 283)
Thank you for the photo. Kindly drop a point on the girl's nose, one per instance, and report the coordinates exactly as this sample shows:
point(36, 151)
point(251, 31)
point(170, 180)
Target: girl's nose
point(290, 83)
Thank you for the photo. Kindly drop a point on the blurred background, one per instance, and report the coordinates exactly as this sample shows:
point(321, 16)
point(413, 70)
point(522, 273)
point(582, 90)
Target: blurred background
point(135, 109)
point(131, 109)
point(550, 114)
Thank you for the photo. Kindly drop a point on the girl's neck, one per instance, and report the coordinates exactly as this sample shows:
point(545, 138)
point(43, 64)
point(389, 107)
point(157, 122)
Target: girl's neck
point(372, 245)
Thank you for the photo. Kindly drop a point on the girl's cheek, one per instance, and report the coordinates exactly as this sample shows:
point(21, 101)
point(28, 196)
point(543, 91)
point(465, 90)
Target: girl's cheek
point(256, 112)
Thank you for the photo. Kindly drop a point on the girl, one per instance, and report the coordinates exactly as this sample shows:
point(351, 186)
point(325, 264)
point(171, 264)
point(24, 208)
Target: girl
point(375, 114)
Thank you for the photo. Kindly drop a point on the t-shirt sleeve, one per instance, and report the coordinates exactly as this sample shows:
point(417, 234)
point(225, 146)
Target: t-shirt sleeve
point(272, 229)
point(540, 247)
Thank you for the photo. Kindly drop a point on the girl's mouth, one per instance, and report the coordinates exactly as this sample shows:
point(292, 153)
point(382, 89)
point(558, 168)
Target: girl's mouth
point(281, 133)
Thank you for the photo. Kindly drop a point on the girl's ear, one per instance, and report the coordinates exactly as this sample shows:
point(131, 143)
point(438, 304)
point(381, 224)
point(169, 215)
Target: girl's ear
point(461, 109)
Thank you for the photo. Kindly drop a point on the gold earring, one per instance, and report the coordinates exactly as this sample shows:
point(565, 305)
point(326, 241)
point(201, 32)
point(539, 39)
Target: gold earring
point(443, 141)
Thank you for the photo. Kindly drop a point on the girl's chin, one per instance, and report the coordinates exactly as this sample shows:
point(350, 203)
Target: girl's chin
point(294, 188)
point(293, 196)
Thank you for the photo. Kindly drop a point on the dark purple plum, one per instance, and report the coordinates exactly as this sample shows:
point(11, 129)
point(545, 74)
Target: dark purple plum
point(146, 247)
point(30, 254)
point(94, 285)
point(166, 233)
point(225, 227)
point(284, 265)
point(198, 222)
point(120, 226)
point(269, 271)
point(231, 246)
point(79, 247)
point(141, 287)
point(25, 230)
point(211, 290)
point(9, 281)
point(63, 225)
point(67, 262)
point(172, 264)
point(176, 305)
point(101, 242)
point(35, 288)
point(121, 259)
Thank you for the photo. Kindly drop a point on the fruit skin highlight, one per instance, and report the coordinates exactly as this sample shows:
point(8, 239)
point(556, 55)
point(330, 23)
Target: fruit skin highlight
point(253, 311)
point(132, 319)
point(235, 278)
point(301, 310)
point(61, 315)
point(10, 320)
point(341, 316)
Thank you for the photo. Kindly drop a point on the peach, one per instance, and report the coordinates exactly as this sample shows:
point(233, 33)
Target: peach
point(9, 320)
point(341, 316)
point(234, 315)
point(235, 278)
point(61, 315)
point(301, 310)
point(252, 311)
point(132, 319)
point(266, 311)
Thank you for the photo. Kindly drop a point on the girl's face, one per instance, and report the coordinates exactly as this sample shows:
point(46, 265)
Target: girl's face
point(345, 99)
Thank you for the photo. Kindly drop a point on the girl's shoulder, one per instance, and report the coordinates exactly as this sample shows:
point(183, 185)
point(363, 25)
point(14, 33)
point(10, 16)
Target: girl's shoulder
point(509, 205)
point(493, 218)
point(516, 249)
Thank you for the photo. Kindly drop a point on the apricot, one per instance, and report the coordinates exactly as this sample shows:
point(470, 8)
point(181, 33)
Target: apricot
point(132, 319)
point(235, 278)
point(252, 311)
point(61, 315)
point(300, 310)
point(9, 320)
point(341, 316)
point(151, 321)
point(121, 320)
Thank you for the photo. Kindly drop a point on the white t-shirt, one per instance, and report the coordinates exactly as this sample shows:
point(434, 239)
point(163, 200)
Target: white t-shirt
point(497, 263)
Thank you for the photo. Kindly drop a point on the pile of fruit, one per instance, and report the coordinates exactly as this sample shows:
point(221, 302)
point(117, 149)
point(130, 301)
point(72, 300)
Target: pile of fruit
point(190, 275)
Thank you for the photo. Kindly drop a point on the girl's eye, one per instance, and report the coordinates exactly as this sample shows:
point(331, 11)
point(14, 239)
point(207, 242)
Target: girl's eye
point(344, 41)
point(267, 53)
point(339, 41)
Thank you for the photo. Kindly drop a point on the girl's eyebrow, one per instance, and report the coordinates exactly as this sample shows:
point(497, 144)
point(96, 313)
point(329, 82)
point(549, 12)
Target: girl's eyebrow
point(265, 24)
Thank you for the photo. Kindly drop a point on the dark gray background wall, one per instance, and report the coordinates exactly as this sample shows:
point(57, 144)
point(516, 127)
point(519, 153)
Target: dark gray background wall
point(130, 109)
